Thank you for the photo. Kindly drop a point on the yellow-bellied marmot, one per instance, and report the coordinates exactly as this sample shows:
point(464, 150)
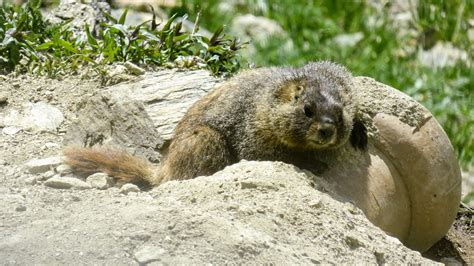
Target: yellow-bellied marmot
point(280, 114)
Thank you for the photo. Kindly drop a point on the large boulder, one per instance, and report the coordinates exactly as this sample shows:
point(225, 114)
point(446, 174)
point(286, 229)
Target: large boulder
point(408, 182)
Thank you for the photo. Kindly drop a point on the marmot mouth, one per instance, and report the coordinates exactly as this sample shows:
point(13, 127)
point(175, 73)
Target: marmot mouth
point(324, 136)
point(319, 144)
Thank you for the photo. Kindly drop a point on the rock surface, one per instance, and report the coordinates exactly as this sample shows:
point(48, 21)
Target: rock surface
point(64, 182)
point(278, 216)
point(35, 116)
point(100, 181)
point(38, 166)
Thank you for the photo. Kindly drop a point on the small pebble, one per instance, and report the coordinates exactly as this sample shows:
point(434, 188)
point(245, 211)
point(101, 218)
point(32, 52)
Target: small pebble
point(31, 180)
point(20, 208)
point(127, 188)
point(100, 181)
point(10, 130)
point(134, 69)
point(66, 183)
point(3, 97)
point(148, 254)
point(46, 175)
point(37, 166)
point(63, 170)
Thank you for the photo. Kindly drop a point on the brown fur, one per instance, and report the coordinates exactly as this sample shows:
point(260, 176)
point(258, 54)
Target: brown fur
point(292, 115)
point(120, 164)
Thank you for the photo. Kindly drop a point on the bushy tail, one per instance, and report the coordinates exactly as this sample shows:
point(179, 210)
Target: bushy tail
point(119, 164)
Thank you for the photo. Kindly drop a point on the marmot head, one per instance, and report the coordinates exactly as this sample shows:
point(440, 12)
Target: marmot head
point(314, 108)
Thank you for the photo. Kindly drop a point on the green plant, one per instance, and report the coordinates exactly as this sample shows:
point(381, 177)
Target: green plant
point(31, 44)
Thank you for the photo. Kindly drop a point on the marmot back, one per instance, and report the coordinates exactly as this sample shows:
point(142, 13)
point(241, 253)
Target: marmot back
point(286, 114)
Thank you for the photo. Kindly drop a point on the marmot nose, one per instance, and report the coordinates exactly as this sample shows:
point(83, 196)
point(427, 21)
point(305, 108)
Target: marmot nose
point(326, 131)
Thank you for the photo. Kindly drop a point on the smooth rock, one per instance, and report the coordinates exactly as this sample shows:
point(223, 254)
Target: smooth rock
point(38, 166)
point(348, 40)
point(46, 175)
point(66, 183)
point(43, 116)
point(64, 170)
point(31, 180)
point(148, 254)
point(259, 29)
point(127, 188)
point(21, 208)
point(408, 182)
point(35, 116)
point(3, 97)
point(134, 69)
point(100, 181)
point(443, 55)
point(10, 130)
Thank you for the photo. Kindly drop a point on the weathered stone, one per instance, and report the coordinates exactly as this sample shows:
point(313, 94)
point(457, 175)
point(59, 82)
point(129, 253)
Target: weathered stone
point(64, 169)
point(38, 166)
point(443, 55)
point(66, 183)
point(46, 175)
point(134, 69)
point(35, 116)
point(10, 130)
point(78, 14)
point(31, 180)
point(3, 97)
point(100, 181)
point(408, 182)
point(127, 188)
point(147, 254)
point(259, 29)
point(348, 40)
point(20, 208)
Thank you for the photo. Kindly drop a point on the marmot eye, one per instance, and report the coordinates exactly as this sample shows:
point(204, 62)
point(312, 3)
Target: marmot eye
point(308, 112)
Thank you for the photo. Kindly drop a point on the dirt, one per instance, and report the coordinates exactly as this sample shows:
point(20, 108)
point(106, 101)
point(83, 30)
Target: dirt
point(457, 243)
point(43, 225)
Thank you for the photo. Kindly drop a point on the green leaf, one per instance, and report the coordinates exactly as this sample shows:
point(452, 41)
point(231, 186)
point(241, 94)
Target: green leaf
point(68, 46)
point(169, 22)
point(181, 37)
point(14, 54)
point(121, 28)
point(110, 18)
point(34, 4)
point(216, 35)
point(44, 46)
point(92, 41)
point(123, 17)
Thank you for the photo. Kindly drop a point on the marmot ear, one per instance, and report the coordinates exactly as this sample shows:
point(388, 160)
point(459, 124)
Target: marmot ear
point(359, 138)
point(290, 90)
